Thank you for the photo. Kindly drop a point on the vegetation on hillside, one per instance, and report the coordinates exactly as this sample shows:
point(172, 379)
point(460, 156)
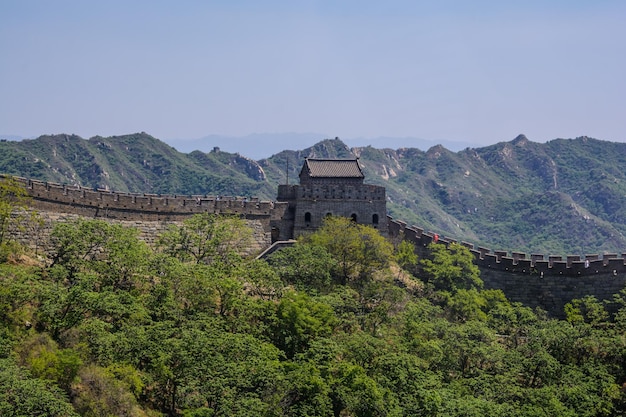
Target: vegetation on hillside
point(344, 323)
point(136, 163)
point(564, 197)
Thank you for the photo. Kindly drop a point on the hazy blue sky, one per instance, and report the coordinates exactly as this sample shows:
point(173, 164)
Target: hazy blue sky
point(472, 71)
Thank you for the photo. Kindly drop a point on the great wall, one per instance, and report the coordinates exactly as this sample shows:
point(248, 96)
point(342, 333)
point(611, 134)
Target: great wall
point(542, 281)
point(150, 213)
point(536, 280)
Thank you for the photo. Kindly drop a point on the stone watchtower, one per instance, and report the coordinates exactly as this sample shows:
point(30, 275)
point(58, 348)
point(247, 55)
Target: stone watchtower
point(330, 187)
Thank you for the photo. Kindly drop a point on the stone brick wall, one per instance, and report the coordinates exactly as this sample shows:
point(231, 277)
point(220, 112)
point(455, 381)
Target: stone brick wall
point(151, 214)
point(542, 281)
point(37, 236)
point(126, 206)
point(311, 202)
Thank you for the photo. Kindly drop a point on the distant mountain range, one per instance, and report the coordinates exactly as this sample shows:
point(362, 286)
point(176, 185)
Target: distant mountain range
point(264, 145)
point(566, 196)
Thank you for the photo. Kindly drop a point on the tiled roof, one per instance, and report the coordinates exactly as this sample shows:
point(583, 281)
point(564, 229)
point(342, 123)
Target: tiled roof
point(333, 168)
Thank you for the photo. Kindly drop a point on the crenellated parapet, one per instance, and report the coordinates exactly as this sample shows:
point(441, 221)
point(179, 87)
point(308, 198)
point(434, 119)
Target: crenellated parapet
point(129, 206)
point(519, 262)
point(359, 192)
point(151, 214)
point(537, 280)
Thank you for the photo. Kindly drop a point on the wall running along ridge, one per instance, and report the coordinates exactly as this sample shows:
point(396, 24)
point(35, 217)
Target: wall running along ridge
point(542, 281)
point(150, 213)
point(537, 280)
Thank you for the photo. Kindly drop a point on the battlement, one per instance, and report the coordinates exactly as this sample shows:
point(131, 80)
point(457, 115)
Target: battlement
point(341, 192)
point(518, 262)
point(548, 282)
point(330, 191)
point(130, 206)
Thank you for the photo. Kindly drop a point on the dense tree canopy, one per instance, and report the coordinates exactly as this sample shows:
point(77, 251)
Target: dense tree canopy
point(107, 326)
point(358, 250)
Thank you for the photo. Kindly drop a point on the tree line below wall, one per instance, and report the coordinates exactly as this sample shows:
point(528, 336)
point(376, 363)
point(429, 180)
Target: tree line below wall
point(340, 324)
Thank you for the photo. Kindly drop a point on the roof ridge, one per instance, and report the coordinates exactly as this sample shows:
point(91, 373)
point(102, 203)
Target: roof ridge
point(333, 168)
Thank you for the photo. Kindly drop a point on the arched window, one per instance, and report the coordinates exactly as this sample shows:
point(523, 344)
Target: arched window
point(353, 217)
point(307, 217)
point(375, 219)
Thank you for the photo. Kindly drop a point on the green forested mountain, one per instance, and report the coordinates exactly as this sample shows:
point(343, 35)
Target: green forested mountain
point(562, 197)
point(136, 163)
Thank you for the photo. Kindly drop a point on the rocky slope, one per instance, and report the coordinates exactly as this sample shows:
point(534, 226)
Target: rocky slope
point(566, 196)
point(132, 163)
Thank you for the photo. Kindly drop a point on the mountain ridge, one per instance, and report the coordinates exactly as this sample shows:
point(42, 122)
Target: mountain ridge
point(264, 145)
point(565, 196)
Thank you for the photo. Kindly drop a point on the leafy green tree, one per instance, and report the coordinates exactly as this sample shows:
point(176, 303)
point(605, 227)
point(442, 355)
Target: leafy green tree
point(512, 321)
point(358, 250)
point(464, 305)
point(125, 259)
point(345, 302)
point(589, 389)
point(62, 307)
point(451, 268)
point(113, 251)
point(99, 393)
point(23, 395)
point(96, 271)
point(586, 310)
point(308, 392)
point(181, 289)
point(300, 320)
point(418, 327)
point(20, 288)
point(355, 393)
point(76, 243)
point(362, 348)
point(262, 279)
point(379, 301)
point(406, 256)
point(469, 349)
point(305, 266)
point(418, 389)
point(207, 238)
point(201, 368)
point(230, 292)
point(46, 361)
